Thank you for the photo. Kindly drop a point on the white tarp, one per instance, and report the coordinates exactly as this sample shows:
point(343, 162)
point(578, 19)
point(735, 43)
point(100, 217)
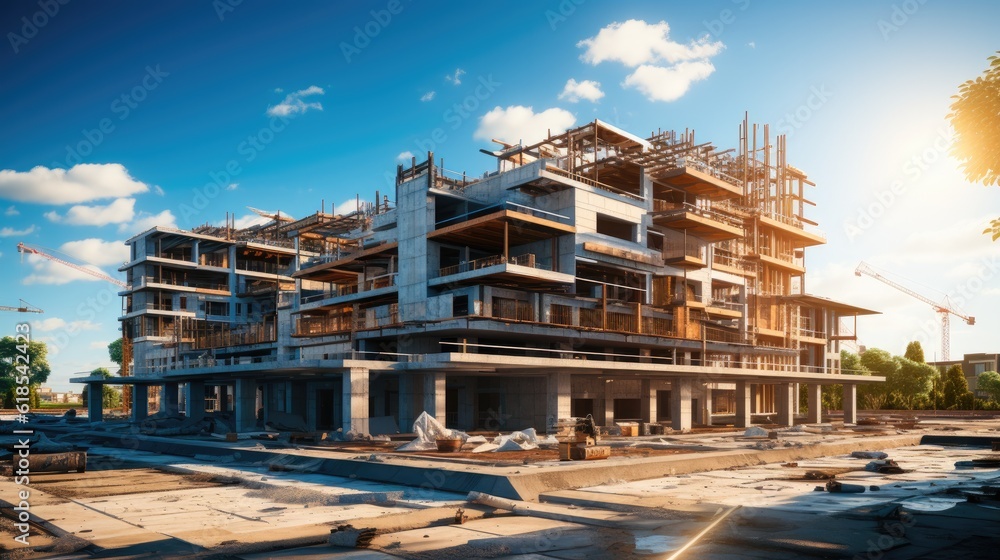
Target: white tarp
point(428, 430)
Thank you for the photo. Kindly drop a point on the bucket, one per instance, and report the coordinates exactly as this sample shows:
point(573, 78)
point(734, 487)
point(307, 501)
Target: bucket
point(448, 445)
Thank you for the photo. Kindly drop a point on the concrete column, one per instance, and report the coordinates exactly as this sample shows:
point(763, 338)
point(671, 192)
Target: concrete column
point(95, 402)
point(408, 389)
point(140, 402)
point(224, 398)
point(783, 394)
point(297, 398)
point(647, 393)
point(194, 400)
point(245, 405)
point(815, 393)
point(743, 419)
point(707, 407)
point(796, 391)
point(434, 395)
point(558, 392)
point(850, 403)
point(609, 404)
point(169, 399)
point(680, 404)
point(355, 400)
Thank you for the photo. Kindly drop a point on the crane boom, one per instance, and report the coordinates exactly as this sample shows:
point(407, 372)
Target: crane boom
point(22, 248)
point(943, 308)
point(25, 307)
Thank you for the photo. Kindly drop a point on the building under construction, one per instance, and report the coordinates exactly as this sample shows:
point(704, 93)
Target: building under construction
point(596, 272)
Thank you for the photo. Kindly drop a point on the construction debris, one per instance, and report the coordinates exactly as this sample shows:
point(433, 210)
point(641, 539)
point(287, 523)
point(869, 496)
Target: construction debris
point(349, 537)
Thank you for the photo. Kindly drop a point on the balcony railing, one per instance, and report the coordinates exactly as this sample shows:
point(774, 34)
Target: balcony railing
point(689, 248)
point(145, 281)
point(527, 260)
point(324, 325)
point(226, 337)
point(512, 309)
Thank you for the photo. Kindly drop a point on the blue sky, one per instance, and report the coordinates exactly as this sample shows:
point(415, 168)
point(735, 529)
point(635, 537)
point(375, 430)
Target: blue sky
point(120, 115)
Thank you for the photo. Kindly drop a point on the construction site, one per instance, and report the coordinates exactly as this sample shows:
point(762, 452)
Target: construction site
point(606, 343)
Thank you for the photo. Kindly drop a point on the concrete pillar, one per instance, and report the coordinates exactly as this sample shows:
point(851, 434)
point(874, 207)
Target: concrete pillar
point(707, 406)
point(169, 403)
point(140, 402)
point(558, 392)
point(95, 402)
point(609, 404)
point(224, 398)
point(680, 404)
point(784, 394)
point(408, 390)
point(245, 405)
point(815, 393)
point(850, 403)
point(194, 400)
point(796, 391)
point(743, 419)
point(355, 400)
point(297, 398)
point(434, 395)
point(647, 393)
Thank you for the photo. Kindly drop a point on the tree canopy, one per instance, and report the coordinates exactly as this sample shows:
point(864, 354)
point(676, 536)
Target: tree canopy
point(989, 381)
point(112, 398)
point(975, 116)
point(956, 388)
point(115, 351)
point(38, 364)
point(915, 352)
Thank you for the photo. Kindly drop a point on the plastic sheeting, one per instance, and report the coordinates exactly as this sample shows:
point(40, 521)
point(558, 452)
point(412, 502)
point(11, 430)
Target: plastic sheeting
point(428, 430)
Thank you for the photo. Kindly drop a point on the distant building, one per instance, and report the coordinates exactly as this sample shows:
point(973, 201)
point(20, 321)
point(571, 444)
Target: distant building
point(595, 272)
point(46, 394)
point(973, 365)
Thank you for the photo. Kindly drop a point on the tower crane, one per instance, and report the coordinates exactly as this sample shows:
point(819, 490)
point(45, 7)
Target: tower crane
point(25, 307)
point(944, 308)
point(126, 336)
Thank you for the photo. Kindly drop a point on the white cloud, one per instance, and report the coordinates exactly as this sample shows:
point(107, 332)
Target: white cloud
point(348, 206)
point(145, 220)
point(249, 220)
point(97, 251)
point(668, 84)
point(293, 103)
point(752, 45)
point(11, 232)
point(81, 183)
point(118, 212)
point(11, 211)
point(636, 42)
point(158, 190)
point(428, 96)
point(405, 156)
point(519, 123)
point(232, 186)
point(58, 323)
point(456, 77)
point(44, 271)
point(587, 89)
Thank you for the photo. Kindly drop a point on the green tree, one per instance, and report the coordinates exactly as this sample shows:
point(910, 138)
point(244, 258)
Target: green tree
point(989, 382)
point(975, 116)
point(911, 384)
point(879, 362)
point(955, 388)
point(914, 352)
point(37, 367)
point(115, 351)
point(112, 398)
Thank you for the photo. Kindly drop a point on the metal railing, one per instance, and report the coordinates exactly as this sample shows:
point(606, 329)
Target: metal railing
point(527, 260)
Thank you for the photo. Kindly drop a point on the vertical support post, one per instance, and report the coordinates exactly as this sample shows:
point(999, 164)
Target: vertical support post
point(434, 395)
point(815, 403)
point(355, 400)
point(169, 399)
point(557, 398)
point(223, 391)
point(245, 404)
point(95, 402)
point(850, 403)
point(140, 402)
point(743, 419)
point(786, 408)
point(707, 407)
point(647, 393)
point(194, 402)
point(680, 404)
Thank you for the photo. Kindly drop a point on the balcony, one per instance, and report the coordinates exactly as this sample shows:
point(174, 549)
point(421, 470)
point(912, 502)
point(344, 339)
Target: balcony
point(794, 228)
point(725, 261)
point(178, 284)
point(521, 269)
point(374, 287)
point(702, 223)
point(783, 261)
point(323, 325)
point(695, 177)
point(684, 254)
point(224, 336)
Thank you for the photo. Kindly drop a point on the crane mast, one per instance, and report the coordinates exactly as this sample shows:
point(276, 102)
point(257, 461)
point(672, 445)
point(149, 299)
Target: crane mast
point(943, 309)
point(126, 336)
